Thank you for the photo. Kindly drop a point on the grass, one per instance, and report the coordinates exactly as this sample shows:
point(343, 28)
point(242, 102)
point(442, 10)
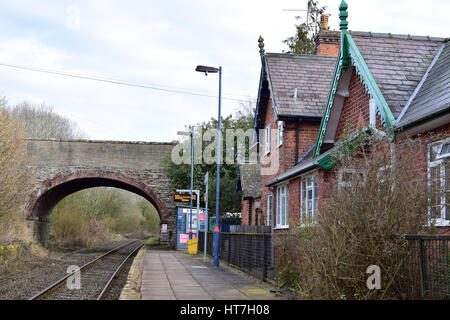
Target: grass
point(20, 257)
point(152, 241)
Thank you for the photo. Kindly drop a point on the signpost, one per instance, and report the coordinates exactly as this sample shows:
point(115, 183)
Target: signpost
point(184, 237)
point(206, 217)
point(195, 196)
point(178, 197)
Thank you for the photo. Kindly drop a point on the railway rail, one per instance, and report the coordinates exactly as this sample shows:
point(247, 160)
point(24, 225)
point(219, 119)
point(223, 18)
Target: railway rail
point(96, 276)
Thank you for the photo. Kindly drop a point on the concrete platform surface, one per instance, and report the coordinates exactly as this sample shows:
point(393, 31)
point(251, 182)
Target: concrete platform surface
point(175, 275)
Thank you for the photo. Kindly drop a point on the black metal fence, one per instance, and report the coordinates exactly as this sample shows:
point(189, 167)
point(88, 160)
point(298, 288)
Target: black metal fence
point(250, 229)
point(250, 252)
point(425, 272)
point(426, 267)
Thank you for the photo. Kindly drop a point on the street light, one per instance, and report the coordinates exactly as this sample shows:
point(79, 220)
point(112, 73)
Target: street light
point(216, 251)
point(191, 134)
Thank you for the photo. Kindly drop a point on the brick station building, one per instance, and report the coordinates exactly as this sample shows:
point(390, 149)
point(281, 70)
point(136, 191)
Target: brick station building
point(396, 85)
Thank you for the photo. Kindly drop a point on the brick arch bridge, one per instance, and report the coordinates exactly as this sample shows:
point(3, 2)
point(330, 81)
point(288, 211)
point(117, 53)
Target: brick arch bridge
point(65, 167)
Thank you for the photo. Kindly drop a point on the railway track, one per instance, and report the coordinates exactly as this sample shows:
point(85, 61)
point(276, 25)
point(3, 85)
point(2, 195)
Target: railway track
point(96, 276)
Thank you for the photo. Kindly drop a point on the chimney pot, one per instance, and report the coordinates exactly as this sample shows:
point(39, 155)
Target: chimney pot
point(323, 21)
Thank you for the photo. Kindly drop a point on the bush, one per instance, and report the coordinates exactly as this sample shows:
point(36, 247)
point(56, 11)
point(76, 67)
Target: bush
point(96, 215)
point(16, 176)
point(70, 227)
point(384, 194)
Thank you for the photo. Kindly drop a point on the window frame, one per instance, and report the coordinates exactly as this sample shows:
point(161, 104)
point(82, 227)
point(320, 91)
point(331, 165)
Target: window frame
point(342, 171)
point(267, 139)
point(314, 188)
point(280, 133)
point(445, 155)
point(439, 162)
point(269, 217)
point(282, 212)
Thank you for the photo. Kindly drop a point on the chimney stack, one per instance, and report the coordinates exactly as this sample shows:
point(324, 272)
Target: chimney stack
point(327, 41)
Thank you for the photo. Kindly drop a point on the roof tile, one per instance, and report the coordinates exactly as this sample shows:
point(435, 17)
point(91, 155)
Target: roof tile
point(397, 62)
point(311, 75)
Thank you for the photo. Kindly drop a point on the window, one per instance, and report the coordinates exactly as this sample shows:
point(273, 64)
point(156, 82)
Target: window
point(282, 207)
point(439, 180)
point(348, 177)
point(309, 199)
point(345, 178)
point(280, 133)
point(269, 209)
point(444, 151)
point(267, 144)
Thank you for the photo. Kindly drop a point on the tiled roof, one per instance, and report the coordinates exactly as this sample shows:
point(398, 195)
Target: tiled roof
point(250, 175)
point(433, 95)
point(397, 62)
point(310, 75)
point(305, 162)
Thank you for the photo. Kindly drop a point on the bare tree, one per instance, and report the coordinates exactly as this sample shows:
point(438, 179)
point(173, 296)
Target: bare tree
point(246, 109)
point(2, 102)
point(15, 179)
point(41, 122)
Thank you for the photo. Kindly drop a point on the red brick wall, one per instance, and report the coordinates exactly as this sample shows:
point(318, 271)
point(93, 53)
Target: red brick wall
point(328, 43)
point(327, 50)
point(422, 165)
point(244, 212)
point(355, 111)
point(326, 178)
point(325, 181)
point(288, 149)
point(266, 178)
point(288, 154)
point(294, 201)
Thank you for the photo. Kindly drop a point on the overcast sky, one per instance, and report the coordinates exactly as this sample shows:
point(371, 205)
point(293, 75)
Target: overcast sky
point(159, 43)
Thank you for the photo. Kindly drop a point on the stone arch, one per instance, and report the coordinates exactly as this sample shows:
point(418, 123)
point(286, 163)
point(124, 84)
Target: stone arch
point(51, 191)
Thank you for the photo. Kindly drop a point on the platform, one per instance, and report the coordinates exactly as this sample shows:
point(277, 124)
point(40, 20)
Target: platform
point(175, 275)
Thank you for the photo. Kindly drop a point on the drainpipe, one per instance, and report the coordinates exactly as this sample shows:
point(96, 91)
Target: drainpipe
point(272, 249)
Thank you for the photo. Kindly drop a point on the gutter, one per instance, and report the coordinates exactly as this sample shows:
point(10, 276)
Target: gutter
point(306, 167)
point(299, 118)
point(422, 121)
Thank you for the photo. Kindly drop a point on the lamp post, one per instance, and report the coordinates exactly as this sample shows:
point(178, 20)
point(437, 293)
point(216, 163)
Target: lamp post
point(216, 251)
point(191, 134)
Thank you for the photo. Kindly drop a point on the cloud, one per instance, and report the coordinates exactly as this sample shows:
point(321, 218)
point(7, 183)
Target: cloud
point(160, 43)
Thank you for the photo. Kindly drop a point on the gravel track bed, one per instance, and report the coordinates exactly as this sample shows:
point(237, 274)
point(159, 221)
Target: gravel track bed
point(119, 282)
point(24, 285)
point(93, 278)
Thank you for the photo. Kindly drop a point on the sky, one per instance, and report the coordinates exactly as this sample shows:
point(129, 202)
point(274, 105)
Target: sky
point(159, 44)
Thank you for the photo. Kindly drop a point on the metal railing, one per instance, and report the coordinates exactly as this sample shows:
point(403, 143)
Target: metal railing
point(250, 252)
point(426, 268)
point(250, 229)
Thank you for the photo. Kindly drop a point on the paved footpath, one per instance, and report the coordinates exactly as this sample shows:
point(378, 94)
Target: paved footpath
point(175, 275)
